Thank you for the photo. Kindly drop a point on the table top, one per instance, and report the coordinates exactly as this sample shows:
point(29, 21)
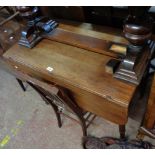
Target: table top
point(75, 66)
point(96, 31)
point(90, 37)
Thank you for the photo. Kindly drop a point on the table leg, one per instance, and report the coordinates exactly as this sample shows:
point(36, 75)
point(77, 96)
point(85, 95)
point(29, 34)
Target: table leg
point(140, 135)
point(144, 131)
point(21, 84)
point(122, 131)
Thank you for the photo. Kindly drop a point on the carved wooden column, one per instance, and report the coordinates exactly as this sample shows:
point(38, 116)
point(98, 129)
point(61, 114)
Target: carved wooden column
point(29, 36)
point(37, 26)
point(138, 31)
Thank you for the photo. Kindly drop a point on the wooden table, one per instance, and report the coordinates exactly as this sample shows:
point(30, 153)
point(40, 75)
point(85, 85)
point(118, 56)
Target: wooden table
point(79, 68)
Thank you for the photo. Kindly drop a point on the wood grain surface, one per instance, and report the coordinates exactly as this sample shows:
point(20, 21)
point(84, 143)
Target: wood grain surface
point(79, 70)
point(149, 120)
point(75, 57)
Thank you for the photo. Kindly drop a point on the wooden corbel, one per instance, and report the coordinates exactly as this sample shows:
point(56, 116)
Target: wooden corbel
point(138, 31)
point(37, 26)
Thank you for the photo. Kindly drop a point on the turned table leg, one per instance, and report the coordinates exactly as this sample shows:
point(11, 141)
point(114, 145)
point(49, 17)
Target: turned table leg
point(122, 131)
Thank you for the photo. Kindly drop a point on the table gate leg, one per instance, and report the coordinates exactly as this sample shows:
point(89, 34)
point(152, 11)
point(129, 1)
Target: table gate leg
point(122, 131)
point(21, 84)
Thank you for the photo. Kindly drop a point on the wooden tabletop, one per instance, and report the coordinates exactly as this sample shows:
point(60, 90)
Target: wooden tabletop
point(74, 57)
point(74, 66)
point(96, 31)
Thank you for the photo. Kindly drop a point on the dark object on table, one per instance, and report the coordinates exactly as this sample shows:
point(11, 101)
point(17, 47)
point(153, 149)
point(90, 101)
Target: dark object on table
point(114, 143)
point(138, 31)
point(36, 26)
point(111, 66)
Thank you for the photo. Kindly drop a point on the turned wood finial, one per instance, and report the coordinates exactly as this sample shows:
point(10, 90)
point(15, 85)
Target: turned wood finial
point(28, 12)
point(138, 26)
point(37, 26)
point(135, 32)
point(138, 31)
